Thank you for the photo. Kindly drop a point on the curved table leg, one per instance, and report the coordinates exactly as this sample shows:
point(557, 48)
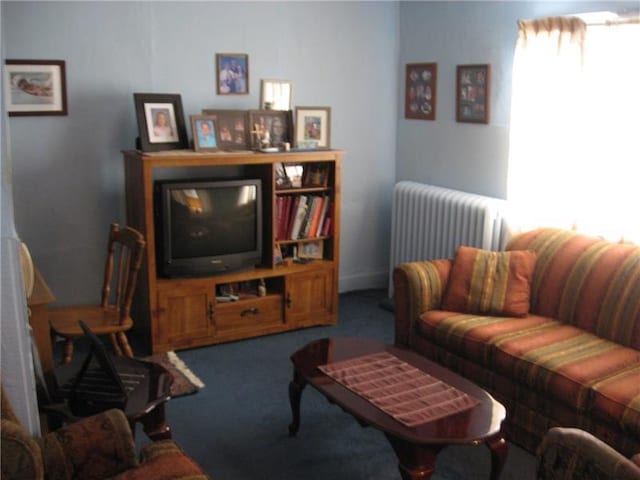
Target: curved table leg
point(296, 386)
point(498, 448)
point(415, 462)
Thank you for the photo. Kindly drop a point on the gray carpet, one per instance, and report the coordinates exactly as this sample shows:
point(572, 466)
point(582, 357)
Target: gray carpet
point(236, 426)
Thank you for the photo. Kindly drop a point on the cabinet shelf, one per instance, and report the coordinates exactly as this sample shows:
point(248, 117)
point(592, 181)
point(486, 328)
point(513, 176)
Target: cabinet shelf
point(178, 313)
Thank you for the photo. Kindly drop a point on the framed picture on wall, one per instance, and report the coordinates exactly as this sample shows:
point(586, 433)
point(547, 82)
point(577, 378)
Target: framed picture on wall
point(313, 127)
point(160, 121)
point(205, 133)
point(275, 94)
point(35, 87)
point(232, 128)
point(420, 92)
point(472, 93)
point(232, 73)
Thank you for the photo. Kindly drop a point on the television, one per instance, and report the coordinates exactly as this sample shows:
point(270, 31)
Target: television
point(207, 227)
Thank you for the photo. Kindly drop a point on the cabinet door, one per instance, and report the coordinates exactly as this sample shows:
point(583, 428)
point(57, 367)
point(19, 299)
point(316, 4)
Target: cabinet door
point(185, 312)
point(309, 298)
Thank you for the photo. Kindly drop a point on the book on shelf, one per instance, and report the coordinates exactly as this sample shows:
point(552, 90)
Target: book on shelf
point(301, 212)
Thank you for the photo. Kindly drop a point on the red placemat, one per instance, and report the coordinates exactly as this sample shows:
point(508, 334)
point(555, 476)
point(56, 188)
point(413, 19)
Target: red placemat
point(408, 394)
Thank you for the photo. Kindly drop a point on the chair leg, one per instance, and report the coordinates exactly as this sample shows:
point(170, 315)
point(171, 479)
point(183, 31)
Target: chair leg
point(124, 343)
point(68, 351)
point(116, 345)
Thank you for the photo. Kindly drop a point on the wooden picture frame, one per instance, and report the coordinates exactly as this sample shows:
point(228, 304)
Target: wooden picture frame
point(205, 131)
point(421, 91)
point(35, 87)
point(312, 249)
point(275, 94)
point(232, 73)
point(472, 93)
point(233, 128)
point(313, 127)
point(277, 123)
point(160, 121)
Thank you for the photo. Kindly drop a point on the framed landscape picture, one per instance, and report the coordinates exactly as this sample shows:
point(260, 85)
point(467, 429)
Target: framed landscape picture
point(472, 93)
point(313, 127)
point(232, 73)
point(232, 128)
point(421, 89)
point(160, 121)
point(35, 87)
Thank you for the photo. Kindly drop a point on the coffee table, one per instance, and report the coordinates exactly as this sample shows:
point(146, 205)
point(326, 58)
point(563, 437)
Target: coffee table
point(416, 447)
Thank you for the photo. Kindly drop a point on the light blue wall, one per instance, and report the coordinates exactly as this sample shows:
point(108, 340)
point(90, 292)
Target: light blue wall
point(68, 173)
point(462, 156)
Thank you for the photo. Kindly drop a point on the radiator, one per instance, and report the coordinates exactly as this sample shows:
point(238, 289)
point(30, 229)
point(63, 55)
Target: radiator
point(430, 222)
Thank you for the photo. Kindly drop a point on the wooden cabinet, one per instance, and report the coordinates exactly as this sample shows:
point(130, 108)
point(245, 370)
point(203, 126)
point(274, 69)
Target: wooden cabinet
point(299, 267)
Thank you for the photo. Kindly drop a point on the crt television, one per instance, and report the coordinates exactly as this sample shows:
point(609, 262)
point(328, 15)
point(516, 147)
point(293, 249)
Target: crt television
point(207, 227)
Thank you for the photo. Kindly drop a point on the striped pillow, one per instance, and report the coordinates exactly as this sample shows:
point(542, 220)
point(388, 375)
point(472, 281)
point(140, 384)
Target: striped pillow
point(491, 283)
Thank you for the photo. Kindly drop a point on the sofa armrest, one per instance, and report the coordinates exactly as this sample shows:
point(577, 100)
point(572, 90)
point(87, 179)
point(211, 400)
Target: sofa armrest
point(99, 446)
point(568, 453)
point(418, 288)
point(21, 457)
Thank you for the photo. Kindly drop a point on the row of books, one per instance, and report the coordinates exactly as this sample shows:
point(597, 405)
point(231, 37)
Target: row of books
point(302, 216)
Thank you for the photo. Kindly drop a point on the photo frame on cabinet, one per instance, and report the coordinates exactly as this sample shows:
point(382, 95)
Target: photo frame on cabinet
point(35, 87)
point(270, 128)
point(275, 94)
point(232, 73)
point(311, 250)
point(205, 133)
point(160, 121)
point(313, 127)
point(233, 131)
point(472, 93)
point(421, 91)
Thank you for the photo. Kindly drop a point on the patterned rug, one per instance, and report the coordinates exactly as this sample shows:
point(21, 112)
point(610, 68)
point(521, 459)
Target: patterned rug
point(185, 382)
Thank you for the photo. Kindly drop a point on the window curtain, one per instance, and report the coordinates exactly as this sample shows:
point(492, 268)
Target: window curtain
point(574, 156)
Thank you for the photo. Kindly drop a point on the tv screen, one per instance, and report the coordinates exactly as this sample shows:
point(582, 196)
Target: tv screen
point(208, 226)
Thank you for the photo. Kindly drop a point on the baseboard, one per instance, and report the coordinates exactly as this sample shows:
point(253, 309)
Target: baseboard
point(363, 281)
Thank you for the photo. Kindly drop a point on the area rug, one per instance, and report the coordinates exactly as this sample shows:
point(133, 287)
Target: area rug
point(185, 382)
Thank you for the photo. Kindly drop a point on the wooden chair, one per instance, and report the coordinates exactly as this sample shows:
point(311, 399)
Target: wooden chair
point(112, 316)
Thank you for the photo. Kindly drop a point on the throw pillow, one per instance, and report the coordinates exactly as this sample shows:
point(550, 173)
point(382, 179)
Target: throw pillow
point(492, 283)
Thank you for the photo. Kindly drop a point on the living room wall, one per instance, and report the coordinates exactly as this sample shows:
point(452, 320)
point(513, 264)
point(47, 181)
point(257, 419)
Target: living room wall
point(68, 172)
point(465, 156)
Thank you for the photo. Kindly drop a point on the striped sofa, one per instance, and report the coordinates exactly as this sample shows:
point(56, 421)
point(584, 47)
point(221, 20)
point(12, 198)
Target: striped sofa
point(573, 360)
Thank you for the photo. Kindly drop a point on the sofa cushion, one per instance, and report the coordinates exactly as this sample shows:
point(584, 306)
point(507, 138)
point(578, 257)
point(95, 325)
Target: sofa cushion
point(562, 361)
point(617, 399)
point(493, 283)
point(472, 336)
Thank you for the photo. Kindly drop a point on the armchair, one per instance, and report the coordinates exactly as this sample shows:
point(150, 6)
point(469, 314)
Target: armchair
point(96, 447)
point(570, 453)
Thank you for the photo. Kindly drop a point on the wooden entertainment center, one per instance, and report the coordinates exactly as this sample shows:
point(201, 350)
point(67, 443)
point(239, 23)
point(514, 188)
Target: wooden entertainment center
point(179, 313)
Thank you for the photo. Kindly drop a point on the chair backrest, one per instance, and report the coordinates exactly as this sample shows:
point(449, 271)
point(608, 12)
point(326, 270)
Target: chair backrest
point(124, 258)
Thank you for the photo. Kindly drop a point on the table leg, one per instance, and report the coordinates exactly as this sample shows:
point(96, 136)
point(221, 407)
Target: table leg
point(296, 386)
point(415, 462)
point(155, 425)
point(498, 448)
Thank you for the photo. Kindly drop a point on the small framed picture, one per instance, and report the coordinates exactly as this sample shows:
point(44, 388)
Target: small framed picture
point(420, 93)
point(270, 129)
point(310, 249)
point(275, 95)
point(35, 87)
point(160, 121)
point(232, 73)
point(472, 93)
point(205, 133)
point(313, 127)
point(232, 128)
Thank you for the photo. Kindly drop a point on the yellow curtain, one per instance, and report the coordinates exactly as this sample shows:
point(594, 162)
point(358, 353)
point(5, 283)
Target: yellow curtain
point(573, 150)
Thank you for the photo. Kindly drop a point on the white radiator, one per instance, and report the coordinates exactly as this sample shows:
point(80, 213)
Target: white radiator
point(430, 222)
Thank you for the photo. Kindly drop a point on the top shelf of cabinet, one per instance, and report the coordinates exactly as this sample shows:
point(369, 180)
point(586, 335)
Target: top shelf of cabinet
point(172, 158)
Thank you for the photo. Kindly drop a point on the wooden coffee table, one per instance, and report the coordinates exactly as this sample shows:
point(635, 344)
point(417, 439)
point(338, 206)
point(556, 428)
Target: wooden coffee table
point(415, 447)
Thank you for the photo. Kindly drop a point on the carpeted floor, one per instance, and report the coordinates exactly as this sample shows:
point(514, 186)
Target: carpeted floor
point(236, 426)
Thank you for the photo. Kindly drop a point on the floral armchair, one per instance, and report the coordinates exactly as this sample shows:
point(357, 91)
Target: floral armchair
point(96, 447)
